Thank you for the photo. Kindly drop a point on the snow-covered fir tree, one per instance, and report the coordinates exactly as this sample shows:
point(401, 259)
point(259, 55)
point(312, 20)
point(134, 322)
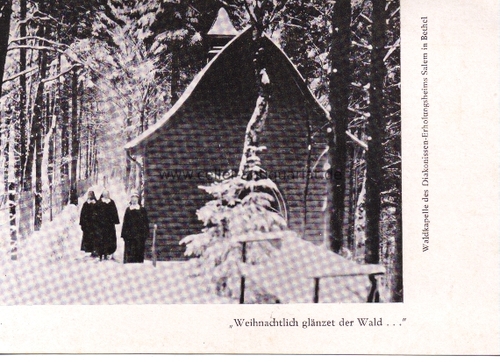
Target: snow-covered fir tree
point(246, 204)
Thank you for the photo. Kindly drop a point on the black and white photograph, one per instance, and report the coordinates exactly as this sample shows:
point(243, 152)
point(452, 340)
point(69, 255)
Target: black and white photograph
point(259, 141)
point(264, 169)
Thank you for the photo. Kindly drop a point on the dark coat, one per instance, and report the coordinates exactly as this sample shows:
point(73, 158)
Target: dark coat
point(135, 231)
point(108, 218)
point(89, 222)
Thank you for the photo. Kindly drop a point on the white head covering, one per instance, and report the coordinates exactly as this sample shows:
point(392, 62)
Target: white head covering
point(135, 193)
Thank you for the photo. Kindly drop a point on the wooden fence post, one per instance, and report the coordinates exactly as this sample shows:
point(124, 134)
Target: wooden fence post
point(153, 251)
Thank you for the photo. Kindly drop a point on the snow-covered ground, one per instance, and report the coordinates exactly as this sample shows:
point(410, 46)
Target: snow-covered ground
point(52, 270)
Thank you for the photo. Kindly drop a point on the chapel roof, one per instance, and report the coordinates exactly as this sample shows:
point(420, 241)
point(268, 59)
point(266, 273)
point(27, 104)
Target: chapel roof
point(243, 36)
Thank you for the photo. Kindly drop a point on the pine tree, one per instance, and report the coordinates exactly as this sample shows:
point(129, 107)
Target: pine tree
point(339, 103)
point(391, 251)
point(376, 125)
point(240, 207)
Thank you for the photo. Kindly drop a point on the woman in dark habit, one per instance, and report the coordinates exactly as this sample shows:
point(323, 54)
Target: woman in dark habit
point(135, 230)
point(89, 222)
point(108, 218)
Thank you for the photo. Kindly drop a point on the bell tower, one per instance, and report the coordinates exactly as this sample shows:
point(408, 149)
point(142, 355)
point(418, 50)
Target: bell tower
point(221, 32)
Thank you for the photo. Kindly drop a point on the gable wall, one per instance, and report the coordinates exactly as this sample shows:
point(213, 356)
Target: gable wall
point(207, 136)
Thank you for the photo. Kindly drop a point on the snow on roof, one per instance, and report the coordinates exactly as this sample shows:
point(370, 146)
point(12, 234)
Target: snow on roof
point(327, 114)
point(192, 86)
point(222, 25)
point(187, 93)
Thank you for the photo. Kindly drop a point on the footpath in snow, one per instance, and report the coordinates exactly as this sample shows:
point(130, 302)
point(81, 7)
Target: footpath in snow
point(52, 270)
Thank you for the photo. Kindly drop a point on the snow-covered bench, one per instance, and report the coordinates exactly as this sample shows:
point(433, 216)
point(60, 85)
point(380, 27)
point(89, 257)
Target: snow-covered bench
point(301, 272)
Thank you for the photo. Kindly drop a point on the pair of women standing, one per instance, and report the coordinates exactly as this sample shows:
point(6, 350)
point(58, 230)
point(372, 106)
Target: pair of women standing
point(98, 220)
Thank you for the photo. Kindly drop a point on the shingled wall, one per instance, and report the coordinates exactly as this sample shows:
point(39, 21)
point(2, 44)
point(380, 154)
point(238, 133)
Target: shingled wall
point(206, 135)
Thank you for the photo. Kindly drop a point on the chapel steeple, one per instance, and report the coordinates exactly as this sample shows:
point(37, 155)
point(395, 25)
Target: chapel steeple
point(221, 32)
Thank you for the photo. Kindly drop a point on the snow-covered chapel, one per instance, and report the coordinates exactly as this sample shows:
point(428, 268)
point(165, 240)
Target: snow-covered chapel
point(204, 131)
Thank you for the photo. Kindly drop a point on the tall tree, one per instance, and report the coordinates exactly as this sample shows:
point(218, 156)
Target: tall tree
point(5, 15)
point(376, 126)
point(65, 138)
point(35, 148)
point(22, 93)
point(262, 14)
point(392, 249)
point(75, 143)
point(13, 169)
point(339, 82)
point(11, 160)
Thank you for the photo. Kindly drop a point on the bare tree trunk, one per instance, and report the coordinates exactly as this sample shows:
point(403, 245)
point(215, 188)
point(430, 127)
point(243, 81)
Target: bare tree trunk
point(258, 120)
point(360, 224)
point(38, 178)
point(34, 150)
point(142, 124)
point(348, 218)
point(65, 136)
point(46, 176)
point(36, 135)
point(75, 142)
point(22, 95)
point(5, 14)
point(391, 222)
point(12, 165)
point(339, 101)
point(87, 152)
point(16, 178)
point(5, 116)
point(375, 153)
point(128, 162)
point(81, 131)
point(95, 165)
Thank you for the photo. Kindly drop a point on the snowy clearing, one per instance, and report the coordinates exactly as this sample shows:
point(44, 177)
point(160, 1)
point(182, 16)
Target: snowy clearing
point(52, 270)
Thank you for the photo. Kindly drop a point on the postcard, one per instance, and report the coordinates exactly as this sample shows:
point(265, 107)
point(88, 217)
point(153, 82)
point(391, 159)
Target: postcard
point(250, 177)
